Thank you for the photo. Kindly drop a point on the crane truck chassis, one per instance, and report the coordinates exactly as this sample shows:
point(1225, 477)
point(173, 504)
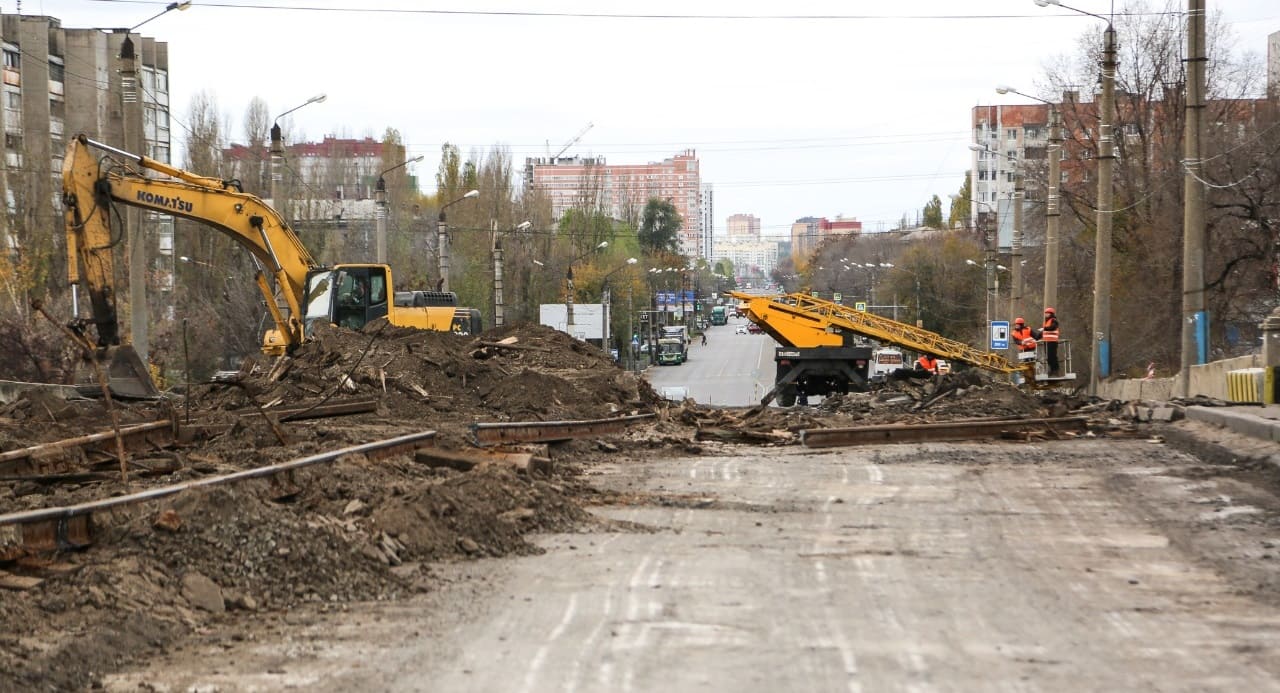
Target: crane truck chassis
point(818, 354)
point(349, 295)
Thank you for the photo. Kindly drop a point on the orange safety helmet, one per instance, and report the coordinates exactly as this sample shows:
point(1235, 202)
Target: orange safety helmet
point(1049, 310)
point(1019, 321)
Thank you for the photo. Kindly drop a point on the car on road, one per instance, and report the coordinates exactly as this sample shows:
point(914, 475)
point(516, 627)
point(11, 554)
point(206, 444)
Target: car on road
point(740, 329)
point(754, 328)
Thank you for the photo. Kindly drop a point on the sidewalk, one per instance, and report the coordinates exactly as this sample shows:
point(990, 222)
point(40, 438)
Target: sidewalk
point(1261, 422)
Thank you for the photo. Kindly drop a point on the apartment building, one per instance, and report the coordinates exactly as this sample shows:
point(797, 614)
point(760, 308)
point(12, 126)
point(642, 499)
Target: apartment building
point(622, 190)
point(807, 233)
point(331, 169)
point(742, 227)
point(60, 82)
point(748, 255)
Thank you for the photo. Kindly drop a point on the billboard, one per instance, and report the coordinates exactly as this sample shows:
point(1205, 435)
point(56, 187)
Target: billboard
point(588, 319)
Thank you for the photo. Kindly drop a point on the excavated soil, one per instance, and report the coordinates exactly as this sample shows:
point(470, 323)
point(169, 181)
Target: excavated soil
point(352, 530)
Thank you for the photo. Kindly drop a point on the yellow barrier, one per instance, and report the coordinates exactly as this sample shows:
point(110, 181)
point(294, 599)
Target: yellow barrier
point(1251, 385)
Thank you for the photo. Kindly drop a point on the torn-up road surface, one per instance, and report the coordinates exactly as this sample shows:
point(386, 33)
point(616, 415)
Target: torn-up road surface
point(1081, 565)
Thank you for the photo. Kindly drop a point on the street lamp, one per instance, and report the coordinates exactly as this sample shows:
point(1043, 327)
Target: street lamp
point(380, 198)
point(277, 154)
point(1052, 206)
point(132, 136)
point(1100, 353)
point(606, 298)
point(568, 275)
point(442, 239)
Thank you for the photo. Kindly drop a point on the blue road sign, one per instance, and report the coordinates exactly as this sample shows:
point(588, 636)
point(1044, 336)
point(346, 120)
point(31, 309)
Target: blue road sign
point(999, 335)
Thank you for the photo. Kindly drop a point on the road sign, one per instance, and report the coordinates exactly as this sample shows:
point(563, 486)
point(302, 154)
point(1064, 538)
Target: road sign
point(836, 297)
point(999, 335)
point(860, 305)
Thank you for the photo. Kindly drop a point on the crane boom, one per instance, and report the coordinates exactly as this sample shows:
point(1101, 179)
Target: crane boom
point(573, 141)
point(800, 320)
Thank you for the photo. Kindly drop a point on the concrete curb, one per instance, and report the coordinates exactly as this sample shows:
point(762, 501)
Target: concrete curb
point(1245, 424)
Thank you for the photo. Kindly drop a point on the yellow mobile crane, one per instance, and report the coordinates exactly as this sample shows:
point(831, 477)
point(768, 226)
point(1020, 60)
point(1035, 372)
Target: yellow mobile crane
point(819, 356)
point(346, 294)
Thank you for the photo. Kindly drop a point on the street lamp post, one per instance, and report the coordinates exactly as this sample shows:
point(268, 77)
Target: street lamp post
point(568, 275)
point(442, 238)
point(1052, 209)
point(133, 140)
point(277, 155)
point(606, 299)
point(1100, 354)
point(380, 198)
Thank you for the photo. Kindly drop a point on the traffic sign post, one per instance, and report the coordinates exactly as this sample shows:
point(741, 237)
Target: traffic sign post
point(999, 335)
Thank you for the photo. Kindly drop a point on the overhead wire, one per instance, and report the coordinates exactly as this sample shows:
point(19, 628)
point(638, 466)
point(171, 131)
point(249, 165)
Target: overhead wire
point(617, 15)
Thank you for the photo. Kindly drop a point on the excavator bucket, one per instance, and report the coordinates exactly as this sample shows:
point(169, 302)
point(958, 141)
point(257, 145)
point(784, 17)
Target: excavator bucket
point(127, 376)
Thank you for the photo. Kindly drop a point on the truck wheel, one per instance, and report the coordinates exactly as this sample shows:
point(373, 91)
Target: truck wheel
point(787, 398)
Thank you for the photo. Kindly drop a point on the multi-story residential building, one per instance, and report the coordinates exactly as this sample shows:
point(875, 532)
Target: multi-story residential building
point(622, 190)
point(1273, 65)
point(749, 256)
point(708, 222)
point(742, 227)
point(58, 83)
point(807, 233)
point(1006, 136)
point(332, 169)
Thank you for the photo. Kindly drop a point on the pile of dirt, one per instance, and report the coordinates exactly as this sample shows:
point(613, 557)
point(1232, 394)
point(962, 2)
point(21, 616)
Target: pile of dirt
point(353, 531)
point(530, 372)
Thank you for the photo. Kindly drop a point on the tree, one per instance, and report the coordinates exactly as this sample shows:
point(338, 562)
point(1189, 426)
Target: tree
point(256, 174)
point(1148, 171)
point(660, 227)
point(933, 213)
point(960, 203)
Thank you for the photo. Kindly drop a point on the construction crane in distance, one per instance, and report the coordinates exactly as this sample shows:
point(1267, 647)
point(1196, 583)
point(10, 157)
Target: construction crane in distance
point(570, 143)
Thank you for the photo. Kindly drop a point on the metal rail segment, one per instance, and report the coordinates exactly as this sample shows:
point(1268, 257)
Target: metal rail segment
point(917, 433)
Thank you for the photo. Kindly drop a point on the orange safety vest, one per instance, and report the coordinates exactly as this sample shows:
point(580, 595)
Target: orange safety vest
point(1049, 333)
point(928, 364)
point(1022, 337)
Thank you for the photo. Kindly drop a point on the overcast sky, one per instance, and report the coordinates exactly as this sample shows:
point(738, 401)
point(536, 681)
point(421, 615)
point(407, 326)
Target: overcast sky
point(800, 108)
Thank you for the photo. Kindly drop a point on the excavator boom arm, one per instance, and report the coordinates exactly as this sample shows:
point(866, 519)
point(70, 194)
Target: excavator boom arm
point(91, 186)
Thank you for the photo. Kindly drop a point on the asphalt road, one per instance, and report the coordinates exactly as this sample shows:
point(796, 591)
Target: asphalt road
point(733, 370)
point(1083, 565)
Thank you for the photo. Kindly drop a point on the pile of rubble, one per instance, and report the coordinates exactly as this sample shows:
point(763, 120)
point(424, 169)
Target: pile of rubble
point(348, 531)
point(959, 395)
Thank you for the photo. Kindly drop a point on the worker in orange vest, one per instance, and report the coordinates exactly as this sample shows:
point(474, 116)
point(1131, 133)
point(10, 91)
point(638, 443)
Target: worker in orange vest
point(1049, 335)
point(1022, 336)
point(926, 365)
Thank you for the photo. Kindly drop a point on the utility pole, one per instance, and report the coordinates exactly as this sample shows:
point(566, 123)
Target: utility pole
point(1052, 208)
point(131, 130)
point(442, 238)
point(1015, 248)
point(1195, 323)
point(498, 318)
point(1100, 355)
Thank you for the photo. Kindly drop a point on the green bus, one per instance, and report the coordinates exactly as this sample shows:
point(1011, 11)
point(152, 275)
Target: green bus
point(718, 316)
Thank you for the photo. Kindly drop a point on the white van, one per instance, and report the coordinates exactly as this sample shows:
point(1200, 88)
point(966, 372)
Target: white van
point(884, 361)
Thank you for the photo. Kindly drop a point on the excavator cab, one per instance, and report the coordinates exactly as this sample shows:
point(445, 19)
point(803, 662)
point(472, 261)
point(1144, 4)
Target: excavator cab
point(348, 296)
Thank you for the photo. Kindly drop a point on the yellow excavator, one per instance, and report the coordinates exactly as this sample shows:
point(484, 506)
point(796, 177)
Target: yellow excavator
point(819, 353)
point(349, 295)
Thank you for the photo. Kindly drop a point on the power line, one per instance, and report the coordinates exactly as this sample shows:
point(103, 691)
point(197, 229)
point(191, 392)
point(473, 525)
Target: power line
point(621, 15)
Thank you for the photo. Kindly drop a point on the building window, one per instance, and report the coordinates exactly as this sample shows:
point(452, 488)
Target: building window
point(57, 73)
point(12, 60)
point(1011, 134)
point(13, 100)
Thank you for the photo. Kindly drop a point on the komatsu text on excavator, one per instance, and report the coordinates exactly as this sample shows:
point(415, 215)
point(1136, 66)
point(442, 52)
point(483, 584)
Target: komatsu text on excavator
point(346, 294)
point(819, 354)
